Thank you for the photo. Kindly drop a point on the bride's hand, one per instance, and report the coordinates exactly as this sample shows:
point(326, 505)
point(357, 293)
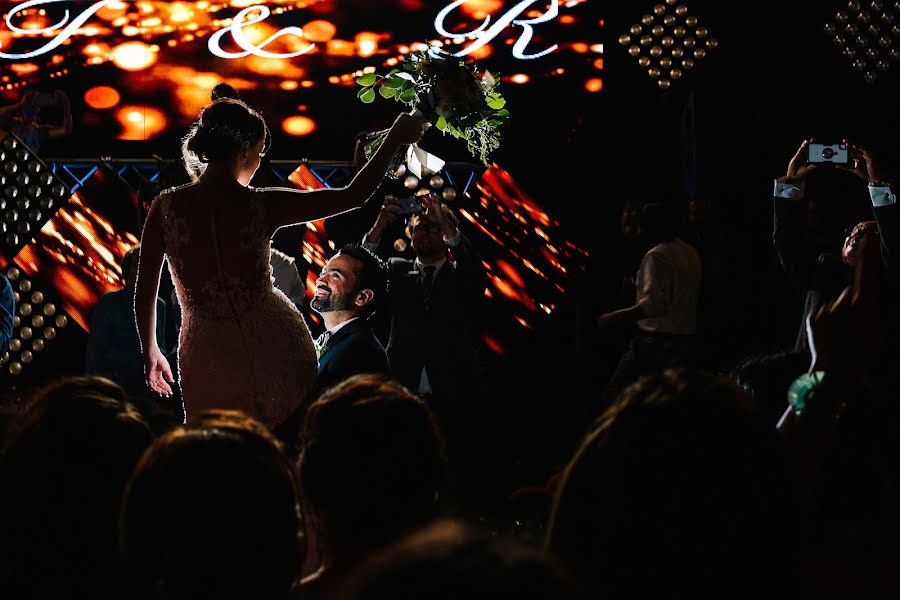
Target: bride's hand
point(409, 128)
point(158, 373)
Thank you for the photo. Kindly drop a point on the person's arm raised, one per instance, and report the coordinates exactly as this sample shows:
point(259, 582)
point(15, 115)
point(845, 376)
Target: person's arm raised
point(287, 206)
point(845, 338)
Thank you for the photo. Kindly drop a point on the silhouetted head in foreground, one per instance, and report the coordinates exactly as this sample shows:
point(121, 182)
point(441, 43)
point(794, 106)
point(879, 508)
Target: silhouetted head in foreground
point(212, 511)
point(372, 461)
point(679, 492)
point(62, 475)
point(450, 560)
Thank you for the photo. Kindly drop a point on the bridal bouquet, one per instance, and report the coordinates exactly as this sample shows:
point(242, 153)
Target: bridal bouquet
point(455, 97)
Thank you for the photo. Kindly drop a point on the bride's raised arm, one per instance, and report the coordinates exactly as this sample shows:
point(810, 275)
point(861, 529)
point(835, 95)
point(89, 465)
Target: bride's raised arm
point(285, 206)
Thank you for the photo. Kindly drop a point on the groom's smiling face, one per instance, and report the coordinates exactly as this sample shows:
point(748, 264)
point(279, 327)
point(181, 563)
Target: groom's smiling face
point(336, 285)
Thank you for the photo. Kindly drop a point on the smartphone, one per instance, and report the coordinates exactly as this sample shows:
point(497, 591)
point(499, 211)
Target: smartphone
point(410, 204)
point(829, 153)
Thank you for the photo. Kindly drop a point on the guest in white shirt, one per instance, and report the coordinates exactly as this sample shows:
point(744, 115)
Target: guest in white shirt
point(667, 290)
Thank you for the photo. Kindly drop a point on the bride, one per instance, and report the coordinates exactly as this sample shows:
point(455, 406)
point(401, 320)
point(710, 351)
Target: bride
point(243, 344)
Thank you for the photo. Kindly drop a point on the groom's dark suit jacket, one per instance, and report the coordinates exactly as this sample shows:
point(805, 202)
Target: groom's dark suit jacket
point(352, 350)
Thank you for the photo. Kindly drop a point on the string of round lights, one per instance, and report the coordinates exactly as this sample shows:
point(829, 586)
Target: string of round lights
point(29, 194)
point(668, 42)
point(36, 322)
point(866, 33)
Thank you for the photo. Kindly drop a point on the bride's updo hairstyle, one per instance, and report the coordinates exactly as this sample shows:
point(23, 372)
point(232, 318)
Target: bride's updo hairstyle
point(223, 127)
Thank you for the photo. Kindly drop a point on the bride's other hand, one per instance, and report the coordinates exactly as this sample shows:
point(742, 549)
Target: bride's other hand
point(158, 373)
point(409, 128)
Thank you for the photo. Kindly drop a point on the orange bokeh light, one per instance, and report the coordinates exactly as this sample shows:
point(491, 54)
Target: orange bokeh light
point(102, 97)
point(367, 43)
point(479, 9)
point(319, 31)
point(483, 52)
point(133, 56)
point(594, 85)
point(298, 125)
point(140, 122)
point(288, 86)
point(520, 78)
point(341, 48)
point(22, 69)
point(599, 63)
point(180, 12)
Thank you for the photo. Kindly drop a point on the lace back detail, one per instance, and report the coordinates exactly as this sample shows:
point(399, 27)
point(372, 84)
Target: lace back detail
point(243, 345)
point(219, 294)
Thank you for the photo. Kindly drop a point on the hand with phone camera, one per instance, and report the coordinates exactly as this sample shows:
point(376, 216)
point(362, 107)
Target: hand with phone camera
point(410, 204)
point(390, 212)
point(434, 210)
point(800, 166)
point(863, 163)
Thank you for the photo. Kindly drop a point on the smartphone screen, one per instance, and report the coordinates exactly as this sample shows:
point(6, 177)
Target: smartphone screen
point(410, 204)
point(829, 153)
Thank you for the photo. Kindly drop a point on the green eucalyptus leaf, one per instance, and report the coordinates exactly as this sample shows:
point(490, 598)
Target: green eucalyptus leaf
point(367, 95)
point(387, 92)
point(395, 83)
point(408, 95)
point(502, 113)
point(496, 103)
point(441, 124)
point(367, 79)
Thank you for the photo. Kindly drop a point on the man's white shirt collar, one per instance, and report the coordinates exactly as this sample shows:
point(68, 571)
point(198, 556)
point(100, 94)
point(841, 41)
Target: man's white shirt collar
point(339, 326)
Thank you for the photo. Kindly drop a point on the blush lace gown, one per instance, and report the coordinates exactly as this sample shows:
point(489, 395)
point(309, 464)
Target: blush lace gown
point(243, 344)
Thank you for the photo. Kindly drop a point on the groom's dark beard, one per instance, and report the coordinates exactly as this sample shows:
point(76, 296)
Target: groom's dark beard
point(331, 303)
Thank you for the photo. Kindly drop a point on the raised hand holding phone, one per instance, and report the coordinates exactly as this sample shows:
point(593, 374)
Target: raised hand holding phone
point(435, 211)
point(863, 164)
point(799, 166)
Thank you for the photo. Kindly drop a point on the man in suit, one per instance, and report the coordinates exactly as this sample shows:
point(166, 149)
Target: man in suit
point(434, 304)
point(348, 291)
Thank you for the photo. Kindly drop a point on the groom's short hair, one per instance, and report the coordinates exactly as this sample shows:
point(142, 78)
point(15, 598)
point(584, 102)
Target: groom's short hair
point(372, 275)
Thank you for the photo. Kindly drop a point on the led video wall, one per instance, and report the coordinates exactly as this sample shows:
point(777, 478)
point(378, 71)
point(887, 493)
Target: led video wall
point(135, 74)
point(142, 70)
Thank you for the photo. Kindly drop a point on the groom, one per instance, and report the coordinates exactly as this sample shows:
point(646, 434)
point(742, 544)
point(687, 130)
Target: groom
point(348, 290)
